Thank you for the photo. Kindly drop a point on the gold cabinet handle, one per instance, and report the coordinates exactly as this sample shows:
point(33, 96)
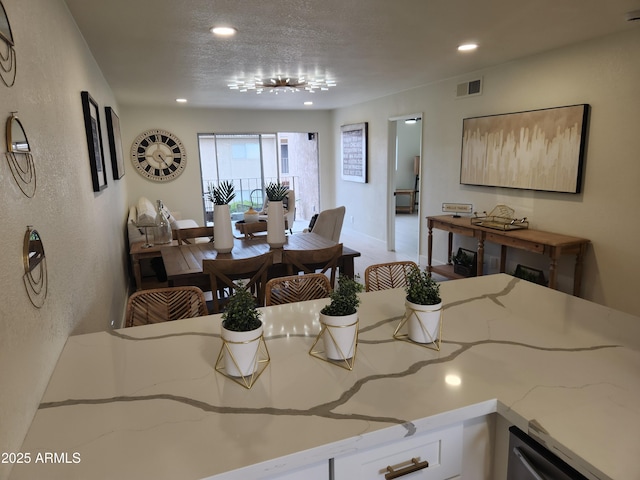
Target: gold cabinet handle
point(414, 467)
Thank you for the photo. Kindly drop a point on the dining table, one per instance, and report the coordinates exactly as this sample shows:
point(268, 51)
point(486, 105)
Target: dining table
point(183, 263)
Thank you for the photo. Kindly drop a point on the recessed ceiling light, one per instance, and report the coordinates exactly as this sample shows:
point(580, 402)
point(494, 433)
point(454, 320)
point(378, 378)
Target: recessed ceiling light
point(308, 103)
point(181, 100)
point(467, 47)
point(224, 31)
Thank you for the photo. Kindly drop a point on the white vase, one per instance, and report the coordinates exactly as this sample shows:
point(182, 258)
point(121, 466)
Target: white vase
point(241, 351)
point(276, 237)
point(424, 322)
point(340, 335)
point(223, 236)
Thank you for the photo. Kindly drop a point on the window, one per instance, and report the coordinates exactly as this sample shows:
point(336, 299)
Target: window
point(252, 161)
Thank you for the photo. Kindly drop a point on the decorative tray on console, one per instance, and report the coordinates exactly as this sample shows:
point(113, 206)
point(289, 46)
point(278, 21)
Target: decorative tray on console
point(500, 218)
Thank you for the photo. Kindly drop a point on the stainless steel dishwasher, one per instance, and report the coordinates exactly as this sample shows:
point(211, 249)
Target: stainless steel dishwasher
point(529, 460)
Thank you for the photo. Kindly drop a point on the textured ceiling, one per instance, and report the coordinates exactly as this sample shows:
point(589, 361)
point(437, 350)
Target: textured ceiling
point(154, 51)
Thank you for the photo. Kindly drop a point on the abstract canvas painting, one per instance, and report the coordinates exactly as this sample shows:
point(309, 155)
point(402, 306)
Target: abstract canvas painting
point(534, 150)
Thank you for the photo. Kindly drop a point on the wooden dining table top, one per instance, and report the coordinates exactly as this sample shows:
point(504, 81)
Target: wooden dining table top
point(186, 260)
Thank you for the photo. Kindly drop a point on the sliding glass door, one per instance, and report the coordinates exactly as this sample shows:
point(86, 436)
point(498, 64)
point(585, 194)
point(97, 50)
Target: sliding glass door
point(251, 161)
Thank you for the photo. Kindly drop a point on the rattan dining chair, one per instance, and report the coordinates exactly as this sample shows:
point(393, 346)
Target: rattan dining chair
point(297, 288)
point(383, 276)
point(188, 236)
point(164, 304)
point(324, 260)
point(226, 273)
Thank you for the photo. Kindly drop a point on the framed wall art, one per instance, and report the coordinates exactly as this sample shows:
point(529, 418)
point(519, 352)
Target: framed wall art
point(115, 143)
point(353, 148)
point(94, 141)
point(534, 150)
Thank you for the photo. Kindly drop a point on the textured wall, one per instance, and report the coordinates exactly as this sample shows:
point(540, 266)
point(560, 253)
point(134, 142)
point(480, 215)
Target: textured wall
point(82, 231)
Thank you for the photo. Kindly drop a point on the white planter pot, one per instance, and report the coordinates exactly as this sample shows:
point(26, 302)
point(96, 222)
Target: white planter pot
point(340, 336)
point(276, 237)
point(223, 236)
point(240, 351)
point(424, 322)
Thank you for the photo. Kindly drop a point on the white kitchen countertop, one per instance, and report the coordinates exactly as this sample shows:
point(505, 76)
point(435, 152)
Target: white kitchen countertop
point(146, 402)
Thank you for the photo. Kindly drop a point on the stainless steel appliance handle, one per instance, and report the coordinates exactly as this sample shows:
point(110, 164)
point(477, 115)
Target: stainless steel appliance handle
point(527, 465)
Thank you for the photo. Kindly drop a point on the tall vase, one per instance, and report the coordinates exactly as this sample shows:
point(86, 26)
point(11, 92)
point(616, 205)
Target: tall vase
point(223, 236)
point(275, 225)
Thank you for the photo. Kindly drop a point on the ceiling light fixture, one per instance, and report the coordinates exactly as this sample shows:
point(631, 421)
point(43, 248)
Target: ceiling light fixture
point(282, 84)
point(308, 103)
point(467, 47)
point(224, 31)
point(181, 100)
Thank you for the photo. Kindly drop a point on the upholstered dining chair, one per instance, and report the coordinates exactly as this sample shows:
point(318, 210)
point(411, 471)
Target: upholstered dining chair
point(383, 276)
point(164, 304)
point(324, 260)
point(297, 288)
point(188, 236)
point(226, 273)
point(329, 223)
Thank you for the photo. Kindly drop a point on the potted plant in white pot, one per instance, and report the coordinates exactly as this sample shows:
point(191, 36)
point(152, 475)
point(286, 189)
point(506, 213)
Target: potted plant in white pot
point(339, 320)
point(221, 196)
point(276, 193)
point(241, 332)
point(423, 307)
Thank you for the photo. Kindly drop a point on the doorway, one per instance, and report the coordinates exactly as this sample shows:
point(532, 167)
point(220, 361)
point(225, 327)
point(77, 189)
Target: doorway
point(404, 168)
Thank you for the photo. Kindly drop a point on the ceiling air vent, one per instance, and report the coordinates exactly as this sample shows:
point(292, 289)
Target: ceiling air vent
point(470, 88)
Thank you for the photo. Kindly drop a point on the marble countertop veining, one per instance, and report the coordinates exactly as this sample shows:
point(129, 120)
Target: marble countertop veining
point(146, 402)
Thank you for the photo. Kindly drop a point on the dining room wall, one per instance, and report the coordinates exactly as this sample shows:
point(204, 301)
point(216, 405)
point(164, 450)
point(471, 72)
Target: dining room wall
point(81, 230)
point(602, 73)
point(184, 194)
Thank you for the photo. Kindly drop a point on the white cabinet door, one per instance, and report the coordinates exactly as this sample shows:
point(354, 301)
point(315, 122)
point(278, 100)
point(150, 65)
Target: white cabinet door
point(441, 450)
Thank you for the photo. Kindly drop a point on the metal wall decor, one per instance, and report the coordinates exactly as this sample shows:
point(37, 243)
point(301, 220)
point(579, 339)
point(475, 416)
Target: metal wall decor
point(8, 63)
point(35, 267)
point(19, 156)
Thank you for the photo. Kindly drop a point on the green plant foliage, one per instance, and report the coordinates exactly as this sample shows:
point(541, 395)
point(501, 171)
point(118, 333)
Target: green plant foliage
point(276, 192)
point(421, 288)
point(222, 194)
point(344, 299)
point(241, 314)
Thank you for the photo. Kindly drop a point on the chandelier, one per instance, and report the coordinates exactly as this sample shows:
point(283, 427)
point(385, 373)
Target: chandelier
point(282, 84)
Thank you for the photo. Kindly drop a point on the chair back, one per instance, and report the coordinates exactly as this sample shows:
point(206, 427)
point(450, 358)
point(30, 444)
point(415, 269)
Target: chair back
point(310, 261)
point(297, 288)
point(383, 276)
point(329, 223)
point(188, 236)
point(225, 273)
point(164, 304)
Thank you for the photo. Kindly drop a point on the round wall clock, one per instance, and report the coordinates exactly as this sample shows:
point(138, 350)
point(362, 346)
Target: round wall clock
point(158, 155)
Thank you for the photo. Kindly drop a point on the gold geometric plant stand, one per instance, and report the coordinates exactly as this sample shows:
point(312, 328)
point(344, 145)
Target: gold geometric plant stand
point(434, 344)
point(261, 360)
point(329, 330)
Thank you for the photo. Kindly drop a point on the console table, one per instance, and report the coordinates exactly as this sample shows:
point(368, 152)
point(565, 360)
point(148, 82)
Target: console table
point(553, 245)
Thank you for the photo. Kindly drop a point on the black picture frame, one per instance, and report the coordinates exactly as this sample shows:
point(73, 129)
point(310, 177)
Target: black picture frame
point(93, 132)
point(534, 150)
point(115, 143)
point(353, 150)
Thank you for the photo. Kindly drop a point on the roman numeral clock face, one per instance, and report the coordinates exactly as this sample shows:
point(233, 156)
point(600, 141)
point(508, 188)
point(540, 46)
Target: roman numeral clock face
point(158, 155)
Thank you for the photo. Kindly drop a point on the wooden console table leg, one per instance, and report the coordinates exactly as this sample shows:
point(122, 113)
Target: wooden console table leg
point(450, 248)
point(553, 270)
point(480, 261)
point(503, 258)
point(577, 273)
